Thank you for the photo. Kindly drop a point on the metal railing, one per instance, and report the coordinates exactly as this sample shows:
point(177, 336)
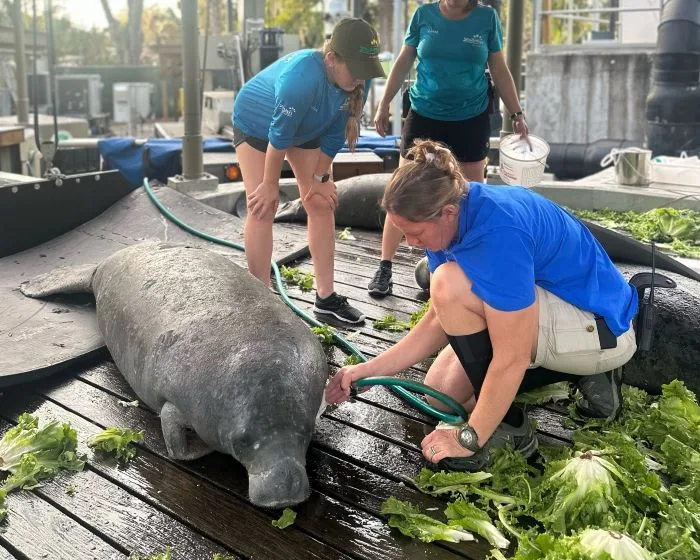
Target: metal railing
point(590, 14)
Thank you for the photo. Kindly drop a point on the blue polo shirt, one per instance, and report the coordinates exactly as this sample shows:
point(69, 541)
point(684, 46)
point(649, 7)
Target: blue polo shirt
point(452, 55)
point(292, 102)
point(511, 239)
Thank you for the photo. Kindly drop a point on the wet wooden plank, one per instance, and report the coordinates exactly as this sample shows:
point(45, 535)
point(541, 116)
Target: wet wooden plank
point(5, 554)
point(188, 497)
point(115, 512)
point(109, 377)
point(368, 533)
point(40, 531)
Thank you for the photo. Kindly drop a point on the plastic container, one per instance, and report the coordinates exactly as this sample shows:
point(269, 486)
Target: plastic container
point(522, 163)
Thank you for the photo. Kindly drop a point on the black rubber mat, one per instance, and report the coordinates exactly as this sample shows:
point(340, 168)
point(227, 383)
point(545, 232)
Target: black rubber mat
point(38, 337)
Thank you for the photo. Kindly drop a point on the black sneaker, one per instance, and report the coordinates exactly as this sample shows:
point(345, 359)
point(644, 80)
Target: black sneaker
point(521, 438)
point(600, 395)
point(339, 307)
point(381, 283)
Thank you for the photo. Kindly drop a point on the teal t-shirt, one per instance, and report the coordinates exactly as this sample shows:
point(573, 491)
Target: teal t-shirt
point(452, 54)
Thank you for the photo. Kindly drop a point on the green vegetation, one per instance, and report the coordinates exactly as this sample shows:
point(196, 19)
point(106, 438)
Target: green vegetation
point(326, 334)
point(628, 489)
point(118, 442)
point(392, 324)
point(678, 230)
point(286, 519)
point(32, 454)
point(296, 277)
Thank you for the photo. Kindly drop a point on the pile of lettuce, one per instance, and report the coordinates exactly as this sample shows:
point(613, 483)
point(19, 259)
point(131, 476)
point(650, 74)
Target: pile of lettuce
point(31, 454)
point(678, 229)
point(625, 490)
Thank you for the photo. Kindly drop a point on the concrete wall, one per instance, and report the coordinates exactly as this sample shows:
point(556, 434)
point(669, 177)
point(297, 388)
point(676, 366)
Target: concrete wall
point(587, 95)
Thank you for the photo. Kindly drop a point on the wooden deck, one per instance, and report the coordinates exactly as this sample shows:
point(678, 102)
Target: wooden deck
point(360, 455)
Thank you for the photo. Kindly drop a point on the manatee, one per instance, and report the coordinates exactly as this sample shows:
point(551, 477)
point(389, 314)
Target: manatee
point(226, 364)
point(675, 346)
point(358, 203)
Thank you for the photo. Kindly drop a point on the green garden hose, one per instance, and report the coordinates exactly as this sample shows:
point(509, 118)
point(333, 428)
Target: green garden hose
point(401, 387)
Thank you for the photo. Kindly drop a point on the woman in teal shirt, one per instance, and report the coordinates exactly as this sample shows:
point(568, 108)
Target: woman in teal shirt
point(454, 41)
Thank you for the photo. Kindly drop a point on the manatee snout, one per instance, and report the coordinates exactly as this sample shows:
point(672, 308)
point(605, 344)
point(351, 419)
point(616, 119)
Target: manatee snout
point(283, 484)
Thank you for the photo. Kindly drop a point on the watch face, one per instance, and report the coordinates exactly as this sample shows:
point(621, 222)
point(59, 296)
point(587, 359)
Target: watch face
point(467, 438)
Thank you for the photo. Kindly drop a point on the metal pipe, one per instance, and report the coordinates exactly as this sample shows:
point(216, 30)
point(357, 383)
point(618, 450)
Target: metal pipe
point(537, 25)
point(192, 167)
point(20, 61)
point(398, 41)
point(514, 55)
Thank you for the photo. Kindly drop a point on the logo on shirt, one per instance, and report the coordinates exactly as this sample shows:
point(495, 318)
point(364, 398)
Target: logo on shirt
point(314, 108)
point(474, 40)
point(287, 111)
point(431, 29)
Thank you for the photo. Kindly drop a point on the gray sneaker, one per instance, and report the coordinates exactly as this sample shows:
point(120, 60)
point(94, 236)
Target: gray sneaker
point(521, 438)
point(600, 395)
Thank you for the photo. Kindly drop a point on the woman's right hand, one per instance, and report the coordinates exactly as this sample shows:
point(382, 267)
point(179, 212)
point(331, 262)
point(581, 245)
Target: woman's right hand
point(264, 199)
point(381, 120)
point(338, 390)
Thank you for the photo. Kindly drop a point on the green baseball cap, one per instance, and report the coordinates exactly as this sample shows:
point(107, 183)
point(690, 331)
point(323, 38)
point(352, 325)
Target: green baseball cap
point(357, 43)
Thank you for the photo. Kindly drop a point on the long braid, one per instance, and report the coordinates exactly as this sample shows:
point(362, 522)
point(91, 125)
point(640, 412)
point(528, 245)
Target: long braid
point(356, 102)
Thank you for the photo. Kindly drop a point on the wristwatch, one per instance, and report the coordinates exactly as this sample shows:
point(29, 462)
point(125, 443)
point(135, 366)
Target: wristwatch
point(322, 178)
point(468, 438)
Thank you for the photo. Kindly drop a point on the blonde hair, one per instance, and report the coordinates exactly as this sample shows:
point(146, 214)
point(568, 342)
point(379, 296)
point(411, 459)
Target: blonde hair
point(356, 101)
point(424, 185)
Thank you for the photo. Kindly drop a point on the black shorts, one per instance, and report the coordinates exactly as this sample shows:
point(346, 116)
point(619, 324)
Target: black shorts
point(261, 145)
point(468, 139)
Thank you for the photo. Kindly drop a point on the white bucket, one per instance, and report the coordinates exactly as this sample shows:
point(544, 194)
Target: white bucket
point(522, 163)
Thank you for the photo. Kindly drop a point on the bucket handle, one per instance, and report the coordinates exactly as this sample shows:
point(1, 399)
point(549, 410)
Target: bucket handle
point(614, 155)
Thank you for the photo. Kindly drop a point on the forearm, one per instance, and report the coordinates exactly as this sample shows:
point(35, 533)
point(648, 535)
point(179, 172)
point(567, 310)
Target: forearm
point(397, 75)
point(424, 340)
point(497, 394)
point(503, 80)
point(273, 164)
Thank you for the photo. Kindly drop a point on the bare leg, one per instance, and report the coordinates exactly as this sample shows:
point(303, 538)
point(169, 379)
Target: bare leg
point(447, 375)
point(257, 232)
point(391, 236)
point(473, 170)
point(321, 219)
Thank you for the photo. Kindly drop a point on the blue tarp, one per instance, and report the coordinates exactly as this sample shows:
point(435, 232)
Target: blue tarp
point(159, 158)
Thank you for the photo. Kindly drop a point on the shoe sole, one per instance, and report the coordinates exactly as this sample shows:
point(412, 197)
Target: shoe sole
point(376, 292)
point(339, 317)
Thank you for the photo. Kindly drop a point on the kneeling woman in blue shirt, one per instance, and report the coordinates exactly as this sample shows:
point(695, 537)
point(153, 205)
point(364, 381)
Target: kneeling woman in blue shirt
point(522, 295)
point(303, 106)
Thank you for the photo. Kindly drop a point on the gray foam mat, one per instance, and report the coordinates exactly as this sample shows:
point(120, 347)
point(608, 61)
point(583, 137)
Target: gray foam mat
point(40, 336)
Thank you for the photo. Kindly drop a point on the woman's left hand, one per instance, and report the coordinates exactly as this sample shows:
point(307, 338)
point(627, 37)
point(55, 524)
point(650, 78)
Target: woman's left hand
point(442, 443)
point(520, 127)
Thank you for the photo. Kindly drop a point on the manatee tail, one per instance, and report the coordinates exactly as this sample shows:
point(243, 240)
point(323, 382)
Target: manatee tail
point(292, 211)
point(62, 280)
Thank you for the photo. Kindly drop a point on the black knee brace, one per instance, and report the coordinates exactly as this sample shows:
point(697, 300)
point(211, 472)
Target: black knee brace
point(475, 352)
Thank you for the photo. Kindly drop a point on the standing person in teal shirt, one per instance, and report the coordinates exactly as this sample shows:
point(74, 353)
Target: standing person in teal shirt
point(454, 41)
point(303, 107)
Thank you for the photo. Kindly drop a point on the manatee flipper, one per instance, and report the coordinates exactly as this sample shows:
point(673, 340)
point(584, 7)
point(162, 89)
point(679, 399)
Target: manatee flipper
point(62, 280)
point(181, 441)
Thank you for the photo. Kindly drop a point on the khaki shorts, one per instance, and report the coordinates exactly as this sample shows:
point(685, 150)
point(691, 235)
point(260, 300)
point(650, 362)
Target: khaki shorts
point(568, 340)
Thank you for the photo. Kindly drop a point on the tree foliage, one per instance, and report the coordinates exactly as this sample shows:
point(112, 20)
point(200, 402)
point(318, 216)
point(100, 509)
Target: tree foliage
point(303, 17)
